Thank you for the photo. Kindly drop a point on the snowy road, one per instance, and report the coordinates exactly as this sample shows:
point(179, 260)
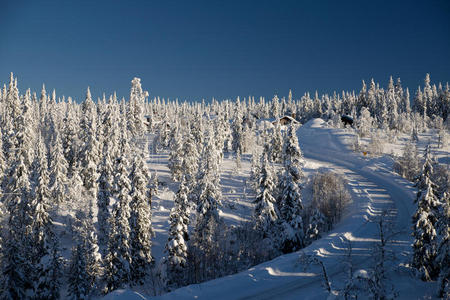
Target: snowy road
point(374, 189)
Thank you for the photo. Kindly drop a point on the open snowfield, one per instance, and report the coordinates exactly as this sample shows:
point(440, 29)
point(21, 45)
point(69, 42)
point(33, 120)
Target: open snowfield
point(376, 191)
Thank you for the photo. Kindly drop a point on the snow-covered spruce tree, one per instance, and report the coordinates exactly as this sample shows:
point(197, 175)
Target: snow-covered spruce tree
point(317, 224)
point(408, 164)
point(89, 155)
point(48, 129)
point(266, 212)
point(110, 151)
point(58, 170)
point(93, 257)
point(51, 266)
point(140, 222)
point(290, 202)
point(78, 285)
point(255, 168)
point(69, 137)
point(176, 157)
point(424, 224)
point(197, 128)
point(135, 116)
point(292, 155)
point(290, 207)
point(12, 112)
point(85, 262)
point(276, 148)
point(43, 105)
point(365, 122)
point(104, 196)
point(237, 129)
point(176, 246)
point(2, 160)
point(190, 160)
point(443, 248)
point(110, 127)
point(203, 246)
point(275, 110)
point(45, 256)
point(118, 257)
point(221, 128)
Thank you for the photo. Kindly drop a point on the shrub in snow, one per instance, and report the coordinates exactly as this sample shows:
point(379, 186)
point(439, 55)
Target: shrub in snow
point(376, 144)
point(330, 196)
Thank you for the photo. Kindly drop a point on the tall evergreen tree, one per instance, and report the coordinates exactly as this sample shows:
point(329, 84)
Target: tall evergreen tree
point(190, 160)
point(119, 256)
point(140, 222)
point(89, 154)
point(69, 137)
point(408, 164)
point(276, 149)
point(45, 256)
point(85, 268)
point(266, 212)
point(293, 160)
point(176, 246)
point(135, 116)
point(424, 223)
point(176, 157)
point(290, 202)
point(58, 170)
point(237, 129)
point(208, 198)
point(104, 196)
point(443, 247)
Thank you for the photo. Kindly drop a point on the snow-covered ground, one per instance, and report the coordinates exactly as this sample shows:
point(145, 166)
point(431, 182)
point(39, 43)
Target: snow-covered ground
point(376, 191)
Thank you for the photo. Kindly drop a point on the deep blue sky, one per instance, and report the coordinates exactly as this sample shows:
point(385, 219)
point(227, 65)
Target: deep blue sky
point(200, 49)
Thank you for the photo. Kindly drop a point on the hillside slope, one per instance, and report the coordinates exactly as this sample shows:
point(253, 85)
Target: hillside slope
point(376, 191)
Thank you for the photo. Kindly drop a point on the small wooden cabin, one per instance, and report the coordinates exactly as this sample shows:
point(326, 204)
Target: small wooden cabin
point(286, 120)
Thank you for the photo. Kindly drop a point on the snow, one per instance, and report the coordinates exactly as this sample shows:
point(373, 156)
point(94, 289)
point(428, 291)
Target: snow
point(375, 190)
point(123, 295)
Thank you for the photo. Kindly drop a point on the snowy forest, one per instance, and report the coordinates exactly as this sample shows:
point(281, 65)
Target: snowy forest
point(79, 186)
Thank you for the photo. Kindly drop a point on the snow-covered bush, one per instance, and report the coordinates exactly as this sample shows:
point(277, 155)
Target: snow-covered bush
point(407, 165)
point(376, 144)
point(330, 196)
